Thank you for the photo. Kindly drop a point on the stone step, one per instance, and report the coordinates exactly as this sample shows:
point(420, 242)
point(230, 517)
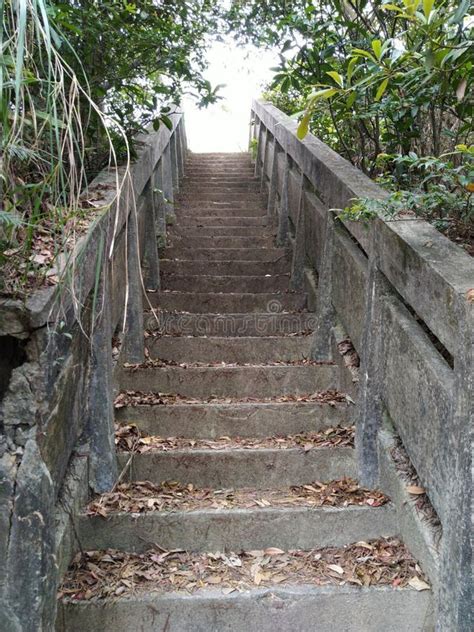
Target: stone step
point(250, 324)
point(225, 284)
point(222, 196)
point(242, 173)
point(213, 220)
point(224, 254)
point(241, 168)
point(204, 172)
point(287, 521)
point(274, 608)
point(213, 303)
point(215, 166)
point(247, 195)
point(240, 350)
point(204, 420)
point(220, 231)
point(257, 468)
point(221, 242)
point(224, 181)
point(229, 210)
point(235, 179)
point(221, 157)
point(231, 381)
point(225, 268)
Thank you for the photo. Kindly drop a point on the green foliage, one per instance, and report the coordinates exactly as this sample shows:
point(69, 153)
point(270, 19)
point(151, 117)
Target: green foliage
point(393, 78)
point(379, 79)
point(439, 190)
point(78, 80)
point(253, 148)
point(137, 59)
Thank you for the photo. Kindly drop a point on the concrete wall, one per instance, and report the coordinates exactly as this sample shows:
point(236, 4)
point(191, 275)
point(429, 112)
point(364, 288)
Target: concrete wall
point(403, 292)
point(56, 378)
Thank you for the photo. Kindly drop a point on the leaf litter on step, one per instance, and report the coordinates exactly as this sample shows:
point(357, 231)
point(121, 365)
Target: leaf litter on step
point(110, 573)
point(129, 438)
point(144, 496)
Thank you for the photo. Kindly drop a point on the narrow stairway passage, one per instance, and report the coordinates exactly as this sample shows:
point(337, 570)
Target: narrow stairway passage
point(240, 509)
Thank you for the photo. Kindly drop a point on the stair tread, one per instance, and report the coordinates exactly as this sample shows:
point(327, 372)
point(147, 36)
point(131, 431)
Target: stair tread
point(99, 574)
point(211, 418)
point(146, 497)
point(229, 380)
point(330, 398)
point(175, 323)
point(229, 350)
point(129, 438)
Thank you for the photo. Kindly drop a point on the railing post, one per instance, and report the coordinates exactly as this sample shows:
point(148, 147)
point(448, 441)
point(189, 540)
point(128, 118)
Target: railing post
point(100, 417)
point(273, 189)
point(151, 258)
point(299, 250)
point(263, 173)
point(370, 409)
point(174, 161)
point(181, 149)
point(159, 204)
point(283, 219)
point(321, 347)
point(251, 126)
point(167, 183)
point(258, 166)
point(134, 347)
point(185, 138)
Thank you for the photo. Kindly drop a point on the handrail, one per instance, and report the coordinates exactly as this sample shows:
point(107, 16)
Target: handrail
point(404, 293)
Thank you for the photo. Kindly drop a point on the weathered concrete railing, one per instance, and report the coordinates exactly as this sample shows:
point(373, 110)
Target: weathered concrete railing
point(403, 293)
point(56, 378)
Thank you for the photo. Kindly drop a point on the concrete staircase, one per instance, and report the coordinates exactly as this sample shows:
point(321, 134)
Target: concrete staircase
point(238, 509)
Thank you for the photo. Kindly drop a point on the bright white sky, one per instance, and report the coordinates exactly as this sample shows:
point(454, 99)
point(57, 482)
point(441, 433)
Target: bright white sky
point(224, 126)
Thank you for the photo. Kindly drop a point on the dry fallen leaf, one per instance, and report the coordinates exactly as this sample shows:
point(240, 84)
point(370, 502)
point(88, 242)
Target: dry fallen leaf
point(227, 591)
point(338, 569)
point(418, 584)
point(415, 490)
point(274, 551)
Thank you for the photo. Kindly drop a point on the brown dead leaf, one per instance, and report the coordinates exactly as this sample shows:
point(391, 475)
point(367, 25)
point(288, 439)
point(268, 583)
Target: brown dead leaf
point(274, 551)
point(335, 567)
point(418, 584)
point(415, 490)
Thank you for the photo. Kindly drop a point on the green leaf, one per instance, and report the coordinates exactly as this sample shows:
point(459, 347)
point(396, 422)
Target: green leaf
point(377, 48)
point(381, 89)
point(168, 122)
point(391, 7)
point(337, 77)
point(323, 94)
point(364, 53)
point(303, 126)
point(428, 7)
point(458, 17)
point(350, 69)
point(351, 99)
point(49, 118)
